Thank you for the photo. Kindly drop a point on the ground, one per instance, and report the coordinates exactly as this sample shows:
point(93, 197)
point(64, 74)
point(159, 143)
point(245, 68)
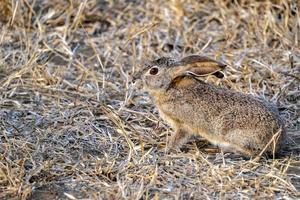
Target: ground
point(73, 127)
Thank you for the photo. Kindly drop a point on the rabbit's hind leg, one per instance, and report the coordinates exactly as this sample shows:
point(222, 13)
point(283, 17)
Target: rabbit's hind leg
point(234, 148)
point(242, 150)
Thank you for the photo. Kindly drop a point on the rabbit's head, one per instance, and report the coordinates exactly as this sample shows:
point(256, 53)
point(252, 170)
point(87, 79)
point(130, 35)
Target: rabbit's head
point(159, 74)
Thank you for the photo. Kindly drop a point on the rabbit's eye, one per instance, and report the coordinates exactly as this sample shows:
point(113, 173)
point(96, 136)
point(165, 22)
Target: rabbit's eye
point(153, 70)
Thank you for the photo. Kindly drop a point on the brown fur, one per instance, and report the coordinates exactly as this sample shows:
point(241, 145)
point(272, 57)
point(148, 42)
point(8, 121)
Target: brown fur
point(232, 120)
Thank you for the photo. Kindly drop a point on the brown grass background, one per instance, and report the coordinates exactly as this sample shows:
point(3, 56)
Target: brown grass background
point(72, 127)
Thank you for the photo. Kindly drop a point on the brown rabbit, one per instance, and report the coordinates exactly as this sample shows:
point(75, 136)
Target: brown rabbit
point(231, 120)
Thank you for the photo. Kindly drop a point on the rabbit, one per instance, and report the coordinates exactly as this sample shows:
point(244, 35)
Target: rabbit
point(234, 121)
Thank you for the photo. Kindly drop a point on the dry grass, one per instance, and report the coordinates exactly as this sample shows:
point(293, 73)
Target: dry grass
point(72, 128)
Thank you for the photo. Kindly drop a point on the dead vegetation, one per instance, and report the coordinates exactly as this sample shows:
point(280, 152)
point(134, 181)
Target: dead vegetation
point(71, 127)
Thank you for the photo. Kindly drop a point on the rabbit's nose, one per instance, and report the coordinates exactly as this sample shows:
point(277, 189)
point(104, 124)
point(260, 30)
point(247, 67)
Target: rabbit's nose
point(137, 83)
point(133, 80)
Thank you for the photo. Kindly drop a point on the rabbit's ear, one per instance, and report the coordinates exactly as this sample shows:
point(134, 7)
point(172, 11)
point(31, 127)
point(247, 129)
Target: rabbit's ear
point(199, 66)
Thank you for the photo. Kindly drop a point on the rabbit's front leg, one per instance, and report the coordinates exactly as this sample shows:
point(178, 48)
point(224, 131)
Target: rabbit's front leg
point(177, 139)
